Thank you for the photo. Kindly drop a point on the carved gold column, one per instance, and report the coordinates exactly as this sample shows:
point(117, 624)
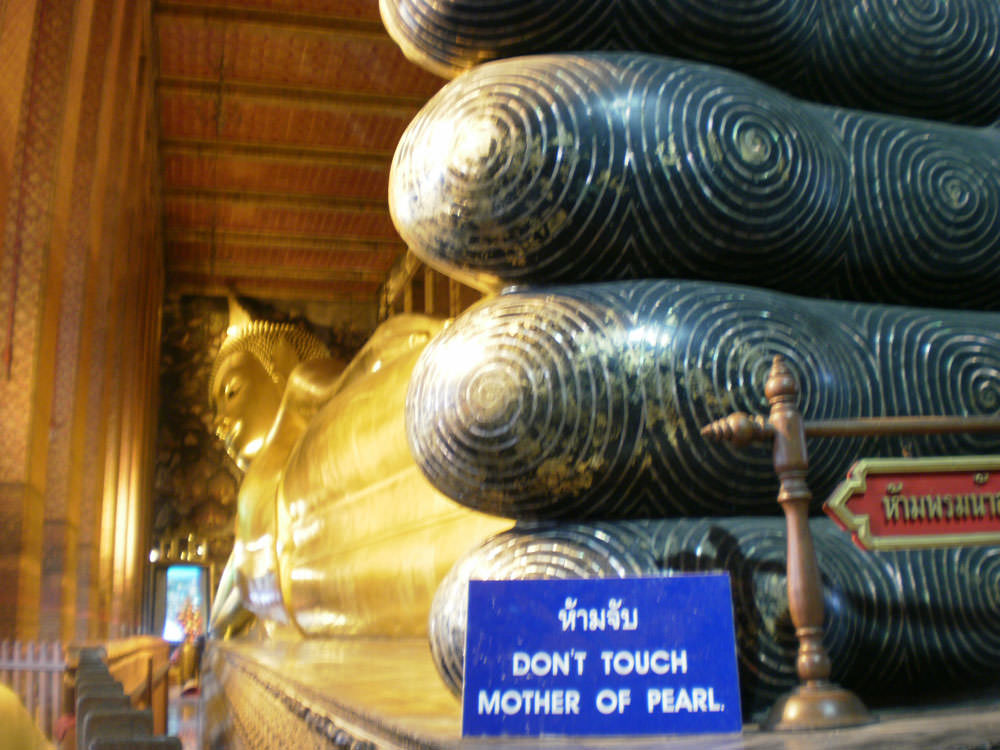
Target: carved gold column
point(20, 516)
point(71, 209)
point(89, 409)
point(35, 47)
point(61, 328)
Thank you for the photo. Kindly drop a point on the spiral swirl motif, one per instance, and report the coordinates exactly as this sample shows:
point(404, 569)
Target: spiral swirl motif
point(766, 38)
point(943, 229)
point(906, 622)
point(600, 167)
point(918, 58)
point(969, 618)
point(860, 594)
point(433, 35)
point(529, 551)
point(931, 362)
point(934, 59)
point(587, 401)
point(528, 400)
point(723, 340)
point(753, 554)
point(743, 178)
point(506, 170)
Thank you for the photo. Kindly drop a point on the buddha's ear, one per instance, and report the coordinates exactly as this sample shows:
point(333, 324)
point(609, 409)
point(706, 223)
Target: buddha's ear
point(284, 358)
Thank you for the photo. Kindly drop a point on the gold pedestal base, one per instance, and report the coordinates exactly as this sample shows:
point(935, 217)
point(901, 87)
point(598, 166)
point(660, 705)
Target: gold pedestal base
point(817, 705)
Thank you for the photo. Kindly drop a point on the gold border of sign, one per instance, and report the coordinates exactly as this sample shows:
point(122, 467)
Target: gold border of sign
point(860, 524)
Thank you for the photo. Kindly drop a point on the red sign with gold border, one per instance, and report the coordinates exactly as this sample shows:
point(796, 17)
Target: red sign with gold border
point(910, 503)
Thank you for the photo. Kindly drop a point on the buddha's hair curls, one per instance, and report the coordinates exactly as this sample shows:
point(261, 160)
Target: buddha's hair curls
point(260, 337)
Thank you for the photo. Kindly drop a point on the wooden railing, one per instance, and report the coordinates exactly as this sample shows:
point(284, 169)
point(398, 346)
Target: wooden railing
point(140, 664)
point(35, 672)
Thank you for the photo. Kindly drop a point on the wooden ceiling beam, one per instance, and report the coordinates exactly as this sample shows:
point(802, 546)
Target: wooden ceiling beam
point(274, 151)
point(221, 11)
point(262, 253)
point(294, 94)
point(291, 241)
point(293, 200)
point(231, 224)
point(221, 286)
point(228, 269)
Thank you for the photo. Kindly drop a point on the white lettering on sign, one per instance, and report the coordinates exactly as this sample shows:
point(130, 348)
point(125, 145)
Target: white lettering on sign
point(544, 663)
point(608, 701)
point(669, 701)
point(511, 702)
point(659, 661)
point(612, 617)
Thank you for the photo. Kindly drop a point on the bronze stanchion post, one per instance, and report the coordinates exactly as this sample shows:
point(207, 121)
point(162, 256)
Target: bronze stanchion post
point(816, 703)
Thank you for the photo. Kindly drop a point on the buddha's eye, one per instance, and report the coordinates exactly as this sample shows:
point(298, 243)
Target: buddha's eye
point(232, 389)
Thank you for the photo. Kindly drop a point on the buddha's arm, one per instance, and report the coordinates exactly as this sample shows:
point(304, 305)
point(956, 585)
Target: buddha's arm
point(362, 538)
point(228, 615)
point(394, 338)
point(313, 383)
point(310, 385)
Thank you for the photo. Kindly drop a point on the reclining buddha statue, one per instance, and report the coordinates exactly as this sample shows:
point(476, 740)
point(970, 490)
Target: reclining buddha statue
point(333, 517)
point(658, 229)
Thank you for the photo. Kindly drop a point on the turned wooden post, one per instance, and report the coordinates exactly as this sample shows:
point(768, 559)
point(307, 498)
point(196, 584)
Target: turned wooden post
point(816, 703)
point(805, 599)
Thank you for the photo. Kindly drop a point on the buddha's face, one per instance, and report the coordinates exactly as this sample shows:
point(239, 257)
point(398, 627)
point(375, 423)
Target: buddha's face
point(246, 402)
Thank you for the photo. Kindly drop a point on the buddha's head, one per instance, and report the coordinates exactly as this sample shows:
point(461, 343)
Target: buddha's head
point(249, 378)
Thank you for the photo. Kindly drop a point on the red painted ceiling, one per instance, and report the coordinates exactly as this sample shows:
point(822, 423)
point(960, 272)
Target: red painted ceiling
point(278, 120)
